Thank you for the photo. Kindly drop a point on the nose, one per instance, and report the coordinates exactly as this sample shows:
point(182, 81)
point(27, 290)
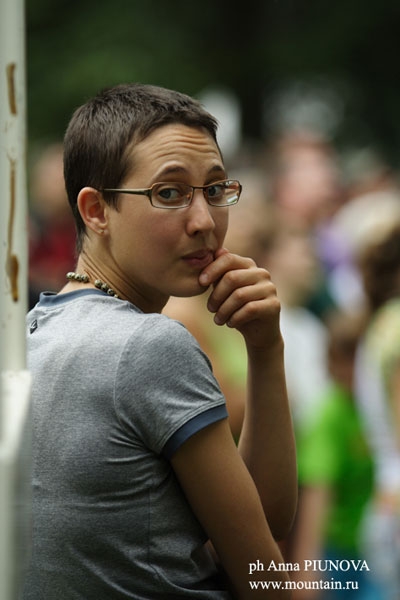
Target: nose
point(199, 215)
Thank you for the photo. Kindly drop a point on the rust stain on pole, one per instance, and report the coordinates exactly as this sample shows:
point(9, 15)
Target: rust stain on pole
point(12, 264)
point(12, 98)
point(12, 260)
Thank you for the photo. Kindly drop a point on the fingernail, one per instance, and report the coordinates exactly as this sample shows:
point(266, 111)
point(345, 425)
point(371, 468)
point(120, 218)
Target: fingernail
point(217, 320)
point(204, 279)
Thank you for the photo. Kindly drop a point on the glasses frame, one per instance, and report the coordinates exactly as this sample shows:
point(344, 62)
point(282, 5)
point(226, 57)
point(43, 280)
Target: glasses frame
point(149, 191)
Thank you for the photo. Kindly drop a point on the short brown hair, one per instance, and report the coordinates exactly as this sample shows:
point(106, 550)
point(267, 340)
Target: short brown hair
point(100, 135)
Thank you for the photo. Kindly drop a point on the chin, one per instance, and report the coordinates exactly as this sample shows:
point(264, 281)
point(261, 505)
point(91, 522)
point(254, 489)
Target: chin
point(189, 291)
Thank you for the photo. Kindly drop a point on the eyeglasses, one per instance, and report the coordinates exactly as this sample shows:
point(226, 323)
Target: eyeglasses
point(179, 195)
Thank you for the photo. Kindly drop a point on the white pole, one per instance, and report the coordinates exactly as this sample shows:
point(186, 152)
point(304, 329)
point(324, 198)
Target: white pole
point(15, 380)
point(13, 212)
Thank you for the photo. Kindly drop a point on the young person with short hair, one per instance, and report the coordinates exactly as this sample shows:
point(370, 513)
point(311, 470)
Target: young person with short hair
point(135, 467)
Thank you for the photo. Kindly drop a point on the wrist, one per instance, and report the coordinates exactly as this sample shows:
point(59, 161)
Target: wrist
point(272, 348)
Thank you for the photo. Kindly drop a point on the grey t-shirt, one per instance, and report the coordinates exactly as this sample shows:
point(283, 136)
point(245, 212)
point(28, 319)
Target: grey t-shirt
point(115, 394)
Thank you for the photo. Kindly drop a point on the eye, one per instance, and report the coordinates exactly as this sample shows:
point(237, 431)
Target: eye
point(216, 191)
point(170, 193)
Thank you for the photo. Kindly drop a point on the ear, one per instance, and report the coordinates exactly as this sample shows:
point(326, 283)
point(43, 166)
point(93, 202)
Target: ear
point(93, 209)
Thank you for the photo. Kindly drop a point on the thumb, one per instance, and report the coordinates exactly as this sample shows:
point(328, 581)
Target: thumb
point(220, 252)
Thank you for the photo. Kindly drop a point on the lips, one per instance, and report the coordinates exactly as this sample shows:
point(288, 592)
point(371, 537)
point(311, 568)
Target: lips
point(199, 258)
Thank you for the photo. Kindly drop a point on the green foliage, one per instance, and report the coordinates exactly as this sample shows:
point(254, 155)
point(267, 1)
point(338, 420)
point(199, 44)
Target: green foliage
point(76, 47)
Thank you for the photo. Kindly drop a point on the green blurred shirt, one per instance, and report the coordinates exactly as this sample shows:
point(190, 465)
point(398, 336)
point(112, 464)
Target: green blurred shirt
point(333, 452)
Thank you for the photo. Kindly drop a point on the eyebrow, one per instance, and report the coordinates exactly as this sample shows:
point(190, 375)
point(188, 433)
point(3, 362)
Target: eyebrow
point(182, 170)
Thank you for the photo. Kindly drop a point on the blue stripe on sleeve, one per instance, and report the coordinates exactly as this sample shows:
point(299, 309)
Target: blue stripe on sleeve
point(217, 413)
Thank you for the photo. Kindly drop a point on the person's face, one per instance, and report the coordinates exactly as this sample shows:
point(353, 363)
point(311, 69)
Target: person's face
point(161, 252)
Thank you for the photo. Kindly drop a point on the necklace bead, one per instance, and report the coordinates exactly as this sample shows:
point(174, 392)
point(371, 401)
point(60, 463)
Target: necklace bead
point(78, 277)
point(99, 284)
point(104, 287)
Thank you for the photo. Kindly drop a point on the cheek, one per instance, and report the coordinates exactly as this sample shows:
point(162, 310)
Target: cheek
point(133, 227)
point(221, 220)
point(155, 241)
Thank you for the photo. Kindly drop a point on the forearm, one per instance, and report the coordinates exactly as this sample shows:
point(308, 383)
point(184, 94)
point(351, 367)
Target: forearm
point(207, 465)
point(308, 540)
point(267, 442)
point(245, 298)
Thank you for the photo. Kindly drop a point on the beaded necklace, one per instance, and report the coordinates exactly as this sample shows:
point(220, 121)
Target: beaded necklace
point(98, 283)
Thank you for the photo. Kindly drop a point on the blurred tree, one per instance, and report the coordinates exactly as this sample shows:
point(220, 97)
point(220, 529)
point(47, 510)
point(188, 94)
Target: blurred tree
point(76, 47)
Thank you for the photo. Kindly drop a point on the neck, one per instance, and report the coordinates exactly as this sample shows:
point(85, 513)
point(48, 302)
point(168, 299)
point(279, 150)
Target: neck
point(98, 272)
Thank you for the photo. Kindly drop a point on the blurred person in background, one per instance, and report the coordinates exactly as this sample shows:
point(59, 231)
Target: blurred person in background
point(341, 216)
point(377, 378)
point(336, 476)
point(306, 182)
point(290, 254)
point(307, 189)
point(51, 225)
point(372, 203)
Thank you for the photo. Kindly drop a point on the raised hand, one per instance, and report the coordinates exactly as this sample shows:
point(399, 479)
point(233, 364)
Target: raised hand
point(243, 297)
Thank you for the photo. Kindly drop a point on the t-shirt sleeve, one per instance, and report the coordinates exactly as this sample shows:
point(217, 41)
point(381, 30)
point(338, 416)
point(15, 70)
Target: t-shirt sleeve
point(165, 388)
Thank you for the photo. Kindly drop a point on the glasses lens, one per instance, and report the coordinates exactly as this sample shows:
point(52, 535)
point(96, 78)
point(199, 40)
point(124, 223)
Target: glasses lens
point(223, 193)
point(171, 195)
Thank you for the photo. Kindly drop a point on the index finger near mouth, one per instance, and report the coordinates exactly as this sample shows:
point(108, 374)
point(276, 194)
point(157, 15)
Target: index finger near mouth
point(222, 264)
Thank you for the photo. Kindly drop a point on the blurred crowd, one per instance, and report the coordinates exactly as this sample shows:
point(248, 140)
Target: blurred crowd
point(51, 225)
point(328, 231)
